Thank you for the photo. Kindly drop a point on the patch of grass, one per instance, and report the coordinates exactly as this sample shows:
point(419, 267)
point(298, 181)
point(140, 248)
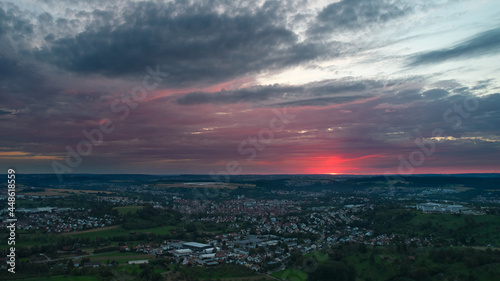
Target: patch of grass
point(63, 278)
point(115, 254)
point(378, 267)
point(158, 230)
point(119, 231)
point(65, 192)
point(219, 271)
point(121, 258)
point(123, 210)
point(321, 257)
point(485, 228)
point(291, 274)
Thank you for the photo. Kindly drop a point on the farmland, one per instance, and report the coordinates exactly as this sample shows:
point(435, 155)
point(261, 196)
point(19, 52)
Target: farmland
point(65, 192)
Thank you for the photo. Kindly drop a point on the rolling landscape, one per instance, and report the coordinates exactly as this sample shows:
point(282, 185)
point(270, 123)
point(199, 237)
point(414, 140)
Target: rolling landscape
point(289, 227)
point(232, 140)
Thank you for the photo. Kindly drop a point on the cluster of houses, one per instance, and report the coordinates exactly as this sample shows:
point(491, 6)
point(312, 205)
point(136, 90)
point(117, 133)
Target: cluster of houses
point(318, 221)
point(59, 220)
point(237, 207)
point(488, 198)
point(254, 251)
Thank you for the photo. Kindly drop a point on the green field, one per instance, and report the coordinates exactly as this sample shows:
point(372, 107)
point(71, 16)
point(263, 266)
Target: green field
point(378, 266)
point(126, 209)
point(63, 278)
point(426, 263)
point(321, 257)
point(291, 274)
point(19, 243)
point(115, 254)
point(158, 230)
point(485, 228)
point(37, 238)
point(445, 229)
point(120, 231)
point(121, 259)
point(220, 271)
point(129, 268)
point(103, 233)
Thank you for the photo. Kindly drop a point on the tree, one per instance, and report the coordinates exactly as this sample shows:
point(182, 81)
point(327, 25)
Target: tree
point(262, 250)
point(362, 248)
point(472, 241)
point(191, 227)
point(146, 273)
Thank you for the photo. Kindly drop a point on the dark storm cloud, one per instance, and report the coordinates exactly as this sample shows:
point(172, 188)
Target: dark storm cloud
point(302, 95)
point(322, 101)
point(49, 95)
point(191, 43)
point(483, 43)
point(251, 94)
point(435, 93)
point(20, 80)
point(484, 120)
point(12, 23)
point(15, 30)
point(384, 126)
point(406, 96)
point(333, 88)
point(449, 113)
point(357, 14)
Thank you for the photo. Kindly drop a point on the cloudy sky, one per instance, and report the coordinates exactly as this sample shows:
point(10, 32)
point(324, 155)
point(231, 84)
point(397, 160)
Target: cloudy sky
point(244, 87)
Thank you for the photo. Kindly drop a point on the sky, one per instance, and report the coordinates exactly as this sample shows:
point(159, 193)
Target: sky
point(250, 87)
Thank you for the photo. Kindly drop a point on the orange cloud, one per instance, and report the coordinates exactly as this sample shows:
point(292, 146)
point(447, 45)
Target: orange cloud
point(21, 155)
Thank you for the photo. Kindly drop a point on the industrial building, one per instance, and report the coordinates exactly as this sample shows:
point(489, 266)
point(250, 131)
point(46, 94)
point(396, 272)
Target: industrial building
point(195, 246)
point(440, 208)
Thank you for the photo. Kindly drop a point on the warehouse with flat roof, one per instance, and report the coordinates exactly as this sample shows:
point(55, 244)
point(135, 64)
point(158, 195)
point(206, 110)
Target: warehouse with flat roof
point(195, 246)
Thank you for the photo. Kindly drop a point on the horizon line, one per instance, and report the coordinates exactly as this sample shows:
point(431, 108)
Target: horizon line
point(277, 174)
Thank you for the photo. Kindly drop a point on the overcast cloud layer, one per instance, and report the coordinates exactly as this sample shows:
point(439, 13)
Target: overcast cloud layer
point(363, 87)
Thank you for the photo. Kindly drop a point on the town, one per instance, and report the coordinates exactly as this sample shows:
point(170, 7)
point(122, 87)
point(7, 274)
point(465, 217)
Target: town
point(267, 232)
